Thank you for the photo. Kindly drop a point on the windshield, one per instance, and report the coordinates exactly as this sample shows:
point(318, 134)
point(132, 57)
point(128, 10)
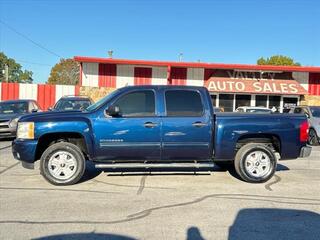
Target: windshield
point(102, 101)
point(71, 104)
point(13, 108)
point(315, 111)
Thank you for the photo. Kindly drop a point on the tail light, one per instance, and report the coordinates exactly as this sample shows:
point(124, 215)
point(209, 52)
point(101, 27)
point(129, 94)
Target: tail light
point(304, 131)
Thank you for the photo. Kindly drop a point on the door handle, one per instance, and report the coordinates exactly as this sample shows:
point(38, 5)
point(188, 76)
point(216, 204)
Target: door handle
point(150, 124)
point(199, 124)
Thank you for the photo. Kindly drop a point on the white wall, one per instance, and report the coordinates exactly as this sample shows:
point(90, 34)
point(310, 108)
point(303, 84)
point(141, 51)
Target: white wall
point(195, 76)
point(125, 75)
point(28, 91)
point(159, 75)
point(63, 90)
point(90, 74)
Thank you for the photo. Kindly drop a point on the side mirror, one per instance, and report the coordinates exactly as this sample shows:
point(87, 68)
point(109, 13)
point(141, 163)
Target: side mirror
point(113, 111)
point(34, 110)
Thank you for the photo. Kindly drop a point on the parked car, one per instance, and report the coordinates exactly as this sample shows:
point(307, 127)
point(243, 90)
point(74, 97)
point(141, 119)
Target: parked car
point(71, 103)
point(313, 115)
point(10, 111)
point(217, 109)
point(253, 109)
point(158, 127)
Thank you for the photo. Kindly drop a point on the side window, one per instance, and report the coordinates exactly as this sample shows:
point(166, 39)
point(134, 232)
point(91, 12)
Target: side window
point(297, 110)
point(183, 103)
point(137, 104)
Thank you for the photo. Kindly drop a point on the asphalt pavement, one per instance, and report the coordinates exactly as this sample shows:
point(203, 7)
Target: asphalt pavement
point(161, 205)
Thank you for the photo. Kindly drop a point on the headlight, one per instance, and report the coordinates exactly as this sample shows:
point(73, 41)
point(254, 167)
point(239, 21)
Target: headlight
point(25, 130)
point(13, 122)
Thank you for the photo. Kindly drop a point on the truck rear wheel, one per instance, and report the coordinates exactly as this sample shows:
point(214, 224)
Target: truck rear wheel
point(313, 138)
point(62, 163)
point(255, 163)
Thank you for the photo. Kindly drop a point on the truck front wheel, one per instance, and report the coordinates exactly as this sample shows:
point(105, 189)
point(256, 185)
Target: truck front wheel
point(255, 163)
point(62, 163)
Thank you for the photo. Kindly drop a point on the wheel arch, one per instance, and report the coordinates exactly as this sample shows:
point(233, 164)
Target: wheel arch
point(73, 137)
point(271, 140)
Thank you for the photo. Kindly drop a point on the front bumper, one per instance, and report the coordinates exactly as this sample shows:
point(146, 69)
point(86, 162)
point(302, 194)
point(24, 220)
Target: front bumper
point(25, 151)
point(305, 151)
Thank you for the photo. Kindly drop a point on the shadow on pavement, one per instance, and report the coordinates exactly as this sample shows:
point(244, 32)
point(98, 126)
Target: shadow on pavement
point(82, 236)
point(193, 233)
point(90, 173)
point(273, 223)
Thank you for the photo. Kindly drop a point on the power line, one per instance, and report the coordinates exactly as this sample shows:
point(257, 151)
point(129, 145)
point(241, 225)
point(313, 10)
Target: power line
point(29, 39)
point(34, 63)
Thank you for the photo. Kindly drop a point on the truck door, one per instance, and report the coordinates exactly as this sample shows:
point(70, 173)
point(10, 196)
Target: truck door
point(134, 133)
point(186, 126)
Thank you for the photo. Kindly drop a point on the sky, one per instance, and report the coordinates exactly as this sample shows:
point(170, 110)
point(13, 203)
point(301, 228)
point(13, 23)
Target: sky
point(38, 33)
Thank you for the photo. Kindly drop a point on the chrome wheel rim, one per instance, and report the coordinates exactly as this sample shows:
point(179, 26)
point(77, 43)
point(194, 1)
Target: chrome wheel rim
point(258, 164)
point(62, 165)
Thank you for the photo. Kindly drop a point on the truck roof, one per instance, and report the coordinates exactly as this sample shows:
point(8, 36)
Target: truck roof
point(18, 101)
point(164, 86)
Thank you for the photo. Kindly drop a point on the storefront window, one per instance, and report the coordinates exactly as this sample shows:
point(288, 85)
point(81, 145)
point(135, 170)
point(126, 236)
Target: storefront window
point(226, 102)
point(243, 100)
point(274, 103)
point(213, 100)
point(261, 100)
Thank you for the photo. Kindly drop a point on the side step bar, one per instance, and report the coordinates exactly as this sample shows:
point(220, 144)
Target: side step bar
point(154, 165)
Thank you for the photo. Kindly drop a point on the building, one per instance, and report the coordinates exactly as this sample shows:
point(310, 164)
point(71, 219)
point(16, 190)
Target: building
point(230, 85)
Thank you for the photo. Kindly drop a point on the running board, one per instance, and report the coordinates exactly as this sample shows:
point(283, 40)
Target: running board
point(154, 165)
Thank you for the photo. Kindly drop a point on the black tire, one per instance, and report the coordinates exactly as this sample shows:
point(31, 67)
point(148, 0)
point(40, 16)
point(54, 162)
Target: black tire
point(313, 138)
point(240, 161)
point(225, 165)
point(71, 150)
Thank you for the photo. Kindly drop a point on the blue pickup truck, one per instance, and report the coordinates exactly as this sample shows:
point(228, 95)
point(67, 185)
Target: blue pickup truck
point(158, 127)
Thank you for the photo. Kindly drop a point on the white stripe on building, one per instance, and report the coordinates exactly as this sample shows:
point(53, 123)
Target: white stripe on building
point(302, 78)
point(125, 75)
point(90, 74)
point(28, 91)
point(159, 76)
point(64, 90)
point(195, 76)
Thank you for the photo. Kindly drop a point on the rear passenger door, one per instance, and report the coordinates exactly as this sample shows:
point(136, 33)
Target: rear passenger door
point(186, 127)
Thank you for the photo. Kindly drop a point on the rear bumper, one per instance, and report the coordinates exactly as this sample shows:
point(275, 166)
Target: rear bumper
point(25, 151)
point(305, 151)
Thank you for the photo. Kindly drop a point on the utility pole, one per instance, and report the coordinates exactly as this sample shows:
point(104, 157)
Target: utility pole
point(180, 57)
point(6, 73)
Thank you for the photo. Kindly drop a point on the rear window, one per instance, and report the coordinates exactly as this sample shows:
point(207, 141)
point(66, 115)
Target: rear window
point(183, 103)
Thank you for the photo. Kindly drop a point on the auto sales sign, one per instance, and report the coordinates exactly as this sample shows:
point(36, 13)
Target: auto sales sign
point(254, 85)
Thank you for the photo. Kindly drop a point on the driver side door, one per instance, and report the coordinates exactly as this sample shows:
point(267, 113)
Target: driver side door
point(134, 134)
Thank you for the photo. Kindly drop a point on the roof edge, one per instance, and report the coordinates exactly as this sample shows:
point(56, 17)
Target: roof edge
point(198, 64)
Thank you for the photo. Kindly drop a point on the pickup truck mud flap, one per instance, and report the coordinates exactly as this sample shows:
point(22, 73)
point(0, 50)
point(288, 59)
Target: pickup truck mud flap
point(305, 151)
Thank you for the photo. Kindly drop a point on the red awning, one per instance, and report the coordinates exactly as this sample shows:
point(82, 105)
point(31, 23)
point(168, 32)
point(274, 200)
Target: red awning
point(276, 86)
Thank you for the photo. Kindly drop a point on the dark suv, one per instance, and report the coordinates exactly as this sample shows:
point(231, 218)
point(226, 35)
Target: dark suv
point(11, 111)
point(70, 103)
